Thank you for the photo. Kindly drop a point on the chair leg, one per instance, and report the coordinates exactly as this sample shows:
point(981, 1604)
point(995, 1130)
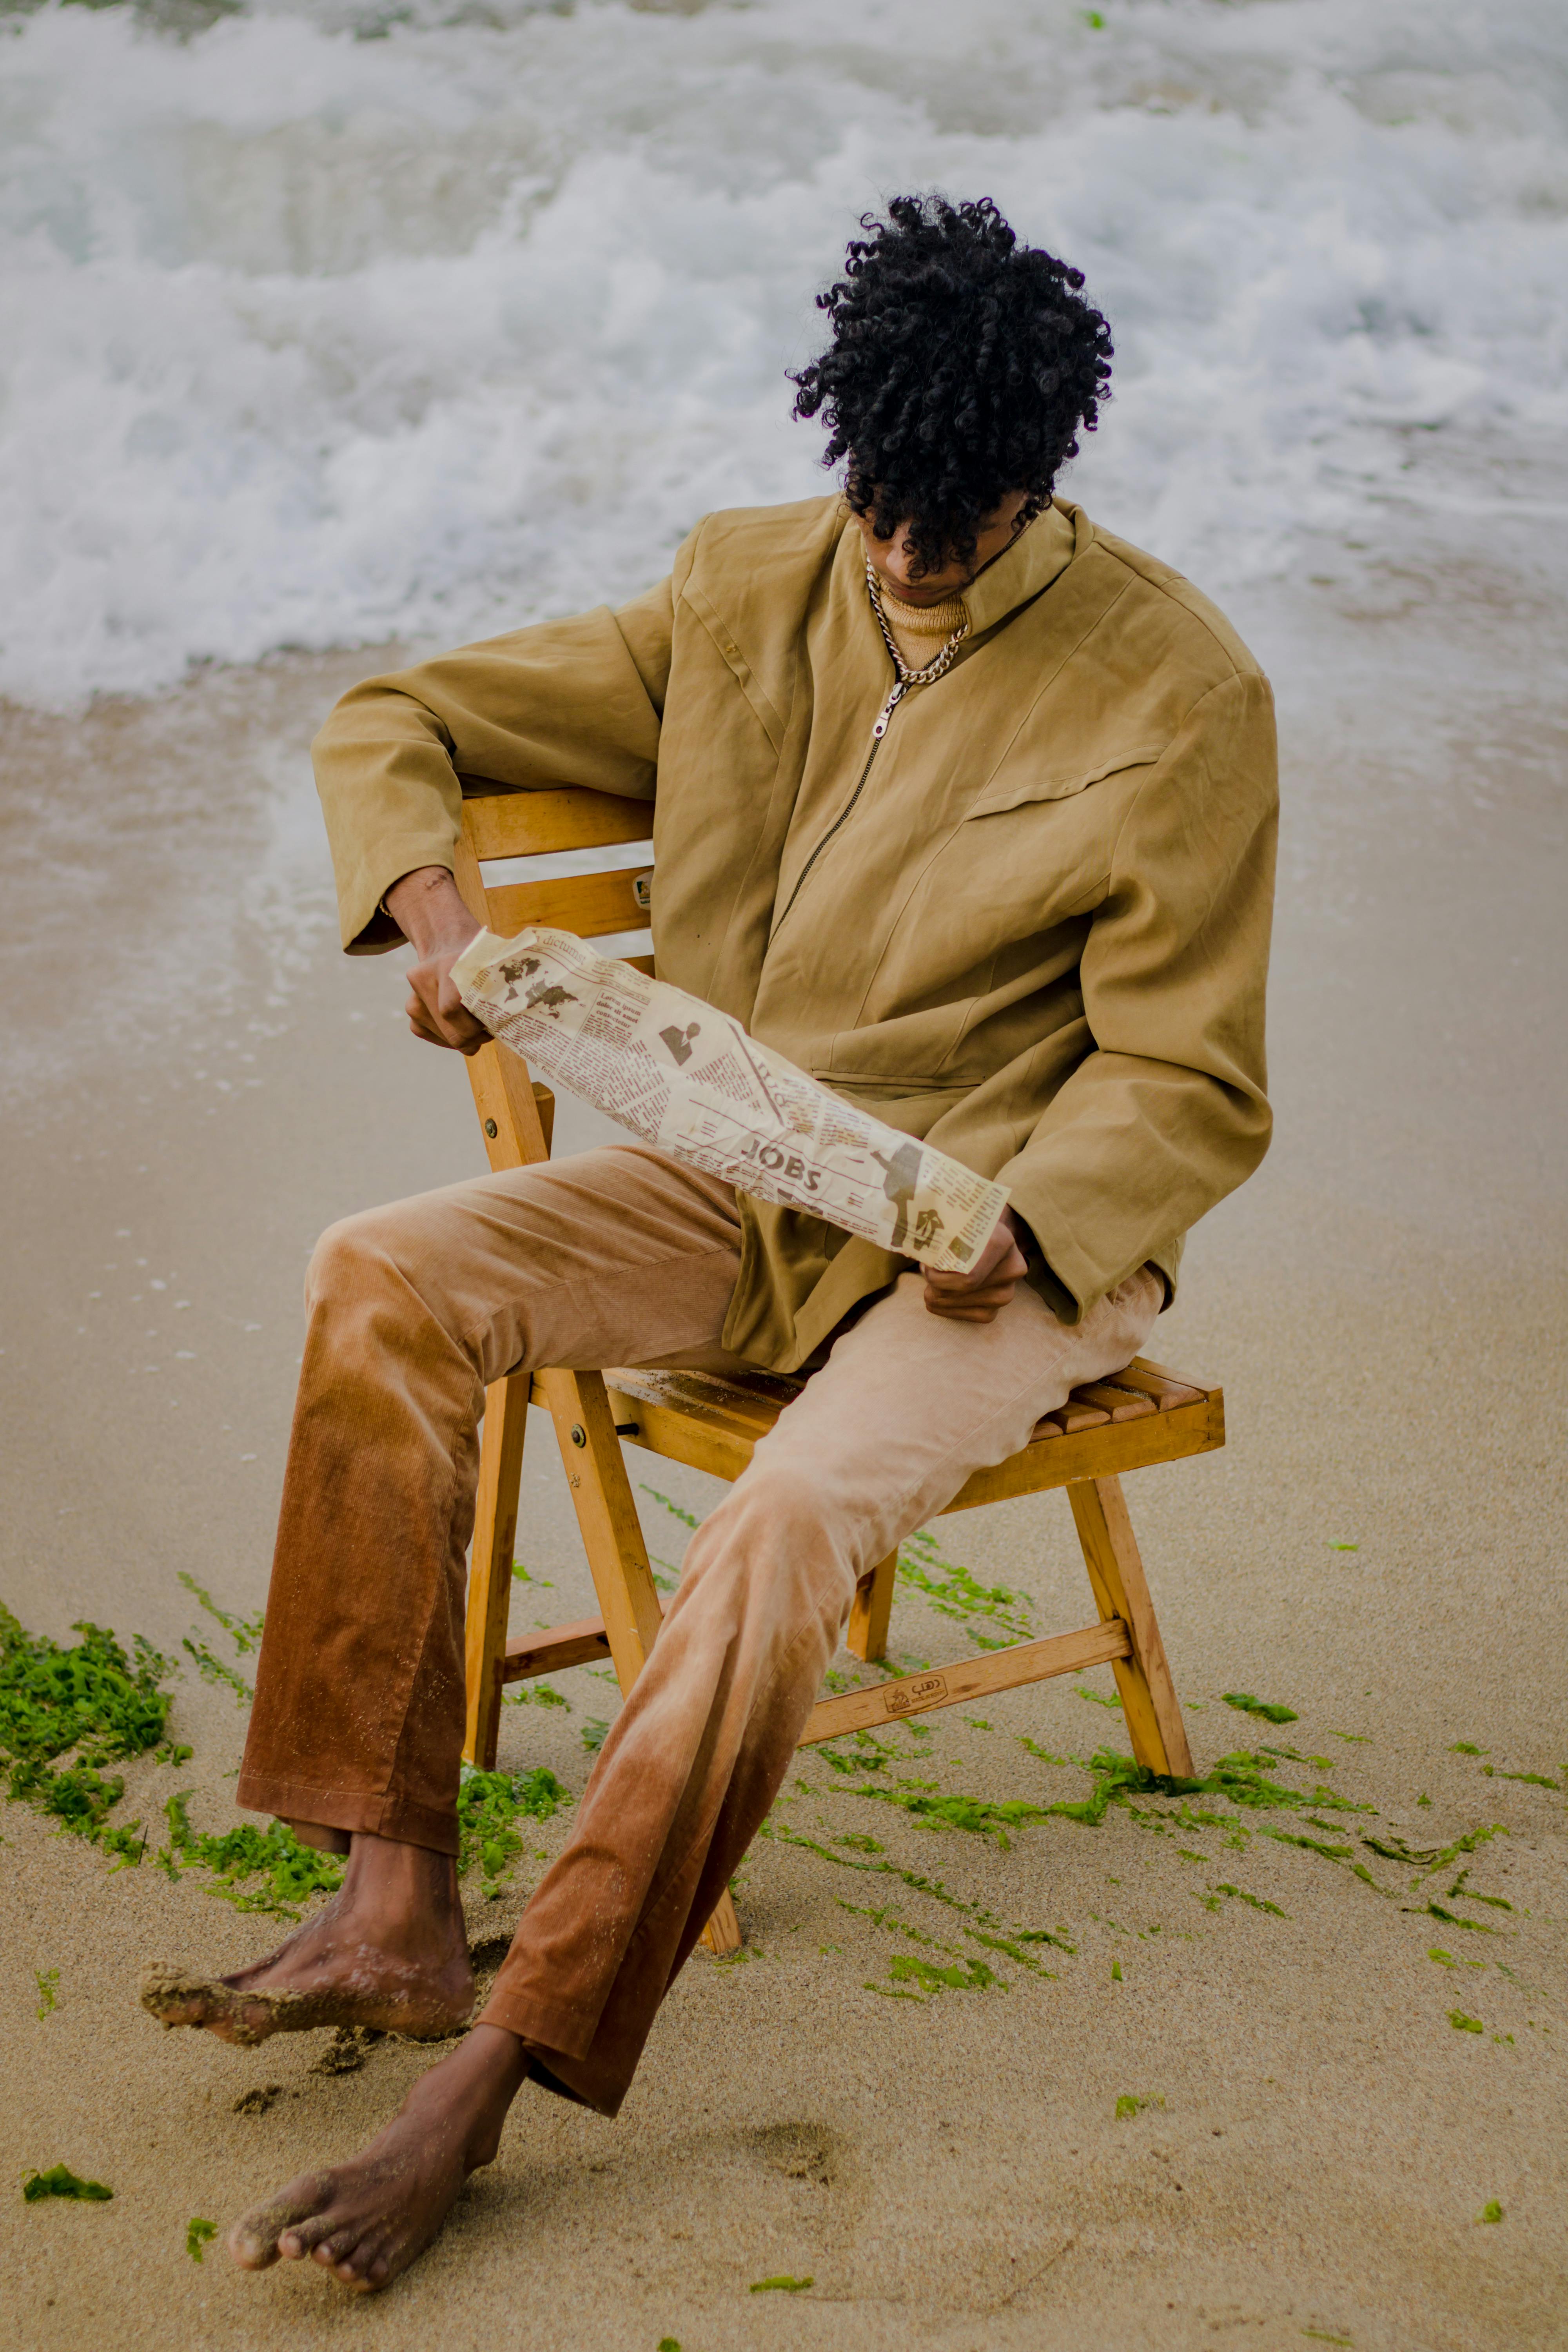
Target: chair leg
point(1120, 1590)
point(490, 1569)
point(617, 1556)
point(870, 1609)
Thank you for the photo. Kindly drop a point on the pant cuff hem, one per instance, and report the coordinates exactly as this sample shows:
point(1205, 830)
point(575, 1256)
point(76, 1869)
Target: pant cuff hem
point(350, 1810)
point(564, 2033)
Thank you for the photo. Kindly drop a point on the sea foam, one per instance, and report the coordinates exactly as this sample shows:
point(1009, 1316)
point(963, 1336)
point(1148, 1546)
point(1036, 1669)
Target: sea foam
point(329, 327)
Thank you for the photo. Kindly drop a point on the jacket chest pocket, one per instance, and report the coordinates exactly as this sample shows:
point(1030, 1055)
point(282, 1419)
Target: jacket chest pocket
point(1022, 782)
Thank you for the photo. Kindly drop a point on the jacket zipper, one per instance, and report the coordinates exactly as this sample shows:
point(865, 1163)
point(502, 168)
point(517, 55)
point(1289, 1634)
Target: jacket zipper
point(842, 819)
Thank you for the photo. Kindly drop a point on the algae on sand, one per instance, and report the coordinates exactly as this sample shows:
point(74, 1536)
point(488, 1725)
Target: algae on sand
point(290, 1871)
point(489, 1806)
point(89, 1701)
point(1270, 1710)
point(61, 2181)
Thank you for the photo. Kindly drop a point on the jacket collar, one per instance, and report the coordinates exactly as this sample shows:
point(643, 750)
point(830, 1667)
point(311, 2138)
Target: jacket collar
point(1013, 579)
point(1036, 558)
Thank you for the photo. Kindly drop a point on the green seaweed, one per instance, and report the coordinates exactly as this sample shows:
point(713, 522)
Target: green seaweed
point(1313, 1845)
point(290, 1871)
point(975, 1815)
point(1269, 1709)
point(213, 1669)
point(782, 2284)
point(1096, 1698)
point(525, 1576)
point(489, 1805)
point(1237, 1777)
point(1116, 1972)
point(1013, 1947)
point(596, 1731)
point(1453, 1919)
point(1473, 1894)
point(951, 1591)
point(1463, 2024)
point(1535, 1779)
point(61, 2181)
point(199, 2235)
point(245, 1633)
point(1429, 1859)
point(863, 1751)
point(916, 1881)
point(88, 1697)
point(1240, 1895)
point(1466, 1748)
point(539, 1694)
point(676, 1511)
point(1134, 2103)
point(1490, 2211)
point(908, 1969)
point(88, 1701)
point(48, 1983)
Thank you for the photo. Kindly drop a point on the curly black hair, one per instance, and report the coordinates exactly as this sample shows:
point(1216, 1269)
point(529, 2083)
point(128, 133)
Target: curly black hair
point(962, 366)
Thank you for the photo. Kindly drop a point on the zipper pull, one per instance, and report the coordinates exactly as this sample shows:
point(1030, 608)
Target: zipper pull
point(887, 709)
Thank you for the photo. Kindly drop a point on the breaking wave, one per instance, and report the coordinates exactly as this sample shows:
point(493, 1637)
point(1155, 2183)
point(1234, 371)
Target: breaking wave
point(337, 325)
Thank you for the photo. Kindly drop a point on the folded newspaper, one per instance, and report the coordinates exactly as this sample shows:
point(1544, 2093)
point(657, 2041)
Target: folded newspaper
point(691, 1081)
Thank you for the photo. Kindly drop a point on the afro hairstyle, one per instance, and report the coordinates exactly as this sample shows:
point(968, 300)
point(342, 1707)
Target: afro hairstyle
point(963, 367)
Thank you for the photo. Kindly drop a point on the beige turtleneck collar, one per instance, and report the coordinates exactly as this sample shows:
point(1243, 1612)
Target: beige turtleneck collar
point(919, 631)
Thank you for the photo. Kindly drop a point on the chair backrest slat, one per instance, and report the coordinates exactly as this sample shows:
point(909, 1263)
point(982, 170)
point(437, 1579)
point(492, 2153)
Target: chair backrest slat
point(526, 825)
point(588, 904)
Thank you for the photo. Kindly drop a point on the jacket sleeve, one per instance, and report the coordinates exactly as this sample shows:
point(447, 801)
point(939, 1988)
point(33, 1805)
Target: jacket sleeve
point(1166, 1113)
point(567, 702)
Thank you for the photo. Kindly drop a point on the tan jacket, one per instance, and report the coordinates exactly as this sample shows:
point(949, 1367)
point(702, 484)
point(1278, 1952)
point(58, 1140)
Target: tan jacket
point(1031, 923)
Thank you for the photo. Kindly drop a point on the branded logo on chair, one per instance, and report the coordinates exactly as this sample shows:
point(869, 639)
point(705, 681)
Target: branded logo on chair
point(905, 1696)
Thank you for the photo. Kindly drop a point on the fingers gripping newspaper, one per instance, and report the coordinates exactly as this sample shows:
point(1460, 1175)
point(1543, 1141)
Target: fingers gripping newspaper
point(691, 1081)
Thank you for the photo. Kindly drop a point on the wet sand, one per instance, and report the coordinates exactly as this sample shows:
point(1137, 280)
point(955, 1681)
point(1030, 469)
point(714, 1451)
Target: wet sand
point(1382, 1305)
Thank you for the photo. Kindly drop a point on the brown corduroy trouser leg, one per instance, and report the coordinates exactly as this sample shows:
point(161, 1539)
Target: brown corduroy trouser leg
point(615, 1256)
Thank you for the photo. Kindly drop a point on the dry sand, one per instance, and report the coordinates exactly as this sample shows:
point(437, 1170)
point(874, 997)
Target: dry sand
point(1382, 1305)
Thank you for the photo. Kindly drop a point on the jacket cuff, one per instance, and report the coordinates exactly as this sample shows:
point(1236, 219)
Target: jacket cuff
point(367, 928)
point(1068, 1277)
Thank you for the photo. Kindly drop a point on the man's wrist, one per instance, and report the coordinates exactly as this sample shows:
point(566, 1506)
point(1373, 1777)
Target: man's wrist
point(429, 910)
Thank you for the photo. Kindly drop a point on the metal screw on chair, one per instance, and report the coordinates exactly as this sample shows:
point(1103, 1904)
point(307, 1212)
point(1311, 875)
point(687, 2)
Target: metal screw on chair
point(579, 1434)
point(490, 1129)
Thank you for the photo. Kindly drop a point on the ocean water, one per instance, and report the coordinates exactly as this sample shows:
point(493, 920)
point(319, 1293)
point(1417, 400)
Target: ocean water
point(331, 322)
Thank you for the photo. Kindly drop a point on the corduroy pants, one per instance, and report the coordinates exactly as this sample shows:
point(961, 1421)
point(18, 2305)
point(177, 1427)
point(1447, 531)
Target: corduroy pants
point(615, 1256)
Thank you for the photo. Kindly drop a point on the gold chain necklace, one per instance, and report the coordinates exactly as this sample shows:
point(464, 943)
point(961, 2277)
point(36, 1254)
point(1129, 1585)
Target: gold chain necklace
point(905, 676)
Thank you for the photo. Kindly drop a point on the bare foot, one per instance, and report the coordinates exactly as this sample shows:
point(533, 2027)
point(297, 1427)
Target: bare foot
point(388, 1950)
point(367, 2219)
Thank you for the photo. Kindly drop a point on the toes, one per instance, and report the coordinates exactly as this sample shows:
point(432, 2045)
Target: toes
point(249, 2248)
point(268, 2232)
point(329, 2247)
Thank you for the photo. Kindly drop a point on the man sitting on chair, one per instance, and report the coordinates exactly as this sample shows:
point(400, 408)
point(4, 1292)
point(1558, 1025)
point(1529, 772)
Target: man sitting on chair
point(966, 807)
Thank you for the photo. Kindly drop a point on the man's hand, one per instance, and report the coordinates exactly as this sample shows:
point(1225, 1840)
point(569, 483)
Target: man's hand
point(427, 909)
point(979, 1296)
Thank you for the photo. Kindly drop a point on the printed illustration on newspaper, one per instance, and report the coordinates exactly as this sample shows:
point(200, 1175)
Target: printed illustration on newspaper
point(691, 1082)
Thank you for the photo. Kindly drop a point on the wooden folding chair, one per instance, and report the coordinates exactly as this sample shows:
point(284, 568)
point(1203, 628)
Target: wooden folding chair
point(1139, 1416)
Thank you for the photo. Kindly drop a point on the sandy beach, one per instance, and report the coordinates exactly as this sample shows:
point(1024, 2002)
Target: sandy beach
point(388, 324)
point(198, 1081)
